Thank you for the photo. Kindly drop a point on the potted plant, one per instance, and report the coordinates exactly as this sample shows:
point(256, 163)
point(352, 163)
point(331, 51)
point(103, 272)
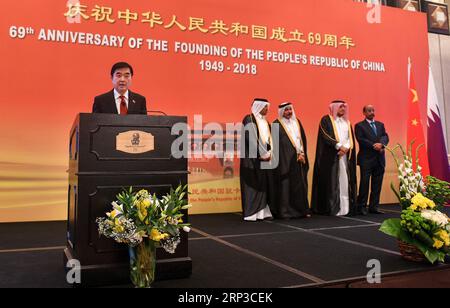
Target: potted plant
point(423, 232)
point(144, 222)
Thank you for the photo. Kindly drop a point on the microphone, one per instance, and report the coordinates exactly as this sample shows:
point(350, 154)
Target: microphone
point(157, 111)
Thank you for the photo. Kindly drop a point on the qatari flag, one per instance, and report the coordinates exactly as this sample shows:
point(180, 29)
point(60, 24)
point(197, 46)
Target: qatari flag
point(437, 150)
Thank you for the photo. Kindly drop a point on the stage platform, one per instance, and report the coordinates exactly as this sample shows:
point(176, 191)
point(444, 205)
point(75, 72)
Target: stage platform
point(229, 253)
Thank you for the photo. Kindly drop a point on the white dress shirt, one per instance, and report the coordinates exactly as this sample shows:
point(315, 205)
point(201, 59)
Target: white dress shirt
point(264, 134)
point(294, 131)
point(342, 128)
point(343, 133)
point(264, 129)
point(119, 100)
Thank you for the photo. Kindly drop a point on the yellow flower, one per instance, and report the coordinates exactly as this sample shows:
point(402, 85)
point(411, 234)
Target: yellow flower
point(444, 237)
point(145, 203)
point(142, 194)
point(118, 226)
point(164, 236)
point(437, 243)
point(119, 229)
point(113, 214)
point(422, 202)
point(155, 235)
point(142, 211)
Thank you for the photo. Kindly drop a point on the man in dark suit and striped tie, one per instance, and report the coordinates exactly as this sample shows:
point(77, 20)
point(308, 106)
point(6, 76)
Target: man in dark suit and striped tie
point(372, 139)
point(120, 100)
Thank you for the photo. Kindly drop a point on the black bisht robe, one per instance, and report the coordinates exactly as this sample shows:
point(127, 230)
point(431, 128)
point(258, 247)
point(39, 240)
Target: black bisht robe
point(325, 199)
point(257, 186)
point(291, 177)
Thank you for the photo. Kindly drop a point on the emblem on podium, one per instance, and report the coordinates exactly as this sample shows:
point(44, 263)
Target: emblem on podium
point(135, 142)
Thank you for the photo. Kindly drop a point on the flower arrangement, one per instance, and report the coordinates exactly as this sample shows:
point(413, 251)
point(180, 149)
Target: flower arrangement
point(144, 222)
point(411, 181)
point(421, 225)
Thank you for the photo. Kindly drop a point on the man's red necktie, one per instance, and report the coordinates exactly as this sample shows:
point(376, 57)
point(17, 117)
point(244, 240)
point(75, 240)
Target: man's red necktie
point(123, 105)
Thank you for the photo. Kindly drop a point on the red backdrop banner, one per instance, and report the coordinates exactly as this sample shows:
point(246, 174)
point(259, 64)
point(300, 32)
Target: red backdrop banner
point(197, 57)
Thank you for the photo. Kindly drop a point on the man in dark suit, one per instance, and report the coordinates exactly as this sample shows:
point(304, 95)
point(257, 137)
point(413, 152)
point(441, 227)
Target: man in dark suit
point(120, 100)
point(372, 139)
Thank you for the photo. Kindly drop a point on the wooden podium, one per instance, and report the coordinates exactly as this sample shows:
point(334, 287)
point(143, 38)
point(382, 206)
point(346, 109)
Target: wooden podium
point(107, 153)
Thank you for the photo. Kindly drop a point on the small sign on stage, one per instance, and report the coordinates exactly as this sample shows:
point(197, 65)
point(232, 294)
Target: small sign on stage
point(135, 142)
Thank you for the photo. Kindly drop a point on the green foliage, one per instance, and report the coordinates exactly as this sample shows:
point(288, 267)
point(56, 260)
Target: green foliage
point(391, 227)
point(438, 191)
point(411, 229)
point(421, 224)
point(137, 215)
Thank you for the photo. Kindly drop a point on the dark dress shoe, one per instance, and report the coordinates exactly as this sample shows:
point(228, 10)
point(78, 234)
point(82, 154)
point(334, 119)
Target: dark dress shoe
point(376, 212)
point(362, 211)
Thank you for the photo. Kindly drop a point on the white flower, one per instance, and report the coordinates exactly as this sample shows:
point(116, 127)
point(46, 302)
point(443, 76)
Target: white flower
point(186, 229)
point(173, 221)
point(154, 204)
point(136, 238)
point(170, 244)
point(117, 207)
point(439, 218)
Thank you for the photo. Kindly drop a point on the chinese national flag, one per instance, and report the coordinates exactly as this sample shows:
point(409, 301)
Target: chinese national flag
point(415, 126)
